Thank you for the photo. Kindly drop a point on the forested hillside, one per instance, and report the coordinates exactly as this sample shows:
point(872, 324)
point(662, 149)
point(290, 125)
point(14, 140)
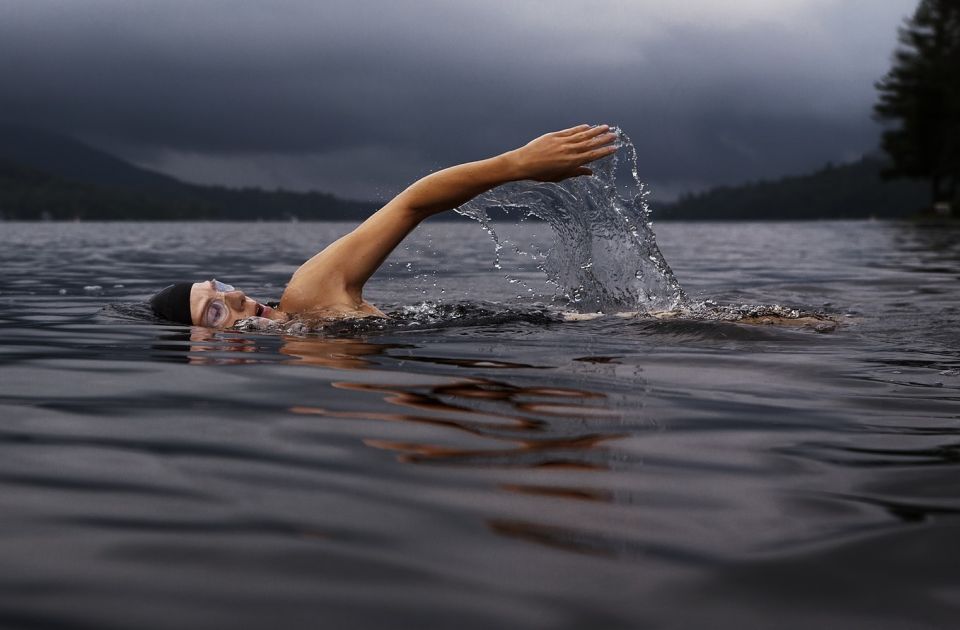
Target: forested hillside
point(850, 191)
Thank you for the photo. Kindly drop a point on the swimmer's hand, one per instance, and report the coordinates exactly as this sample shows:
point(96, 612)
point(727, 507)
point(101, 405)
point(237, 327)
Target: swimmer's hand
point(556, 156)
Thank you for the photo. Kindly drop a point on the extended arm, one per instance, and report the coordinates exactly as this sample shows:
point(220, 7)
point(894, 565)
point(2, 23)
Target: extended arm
point(335, 277)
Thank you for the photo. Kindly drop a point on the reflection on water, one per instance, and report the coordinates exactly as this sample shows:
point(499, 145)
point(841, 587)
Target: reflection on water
point(514, 421)
point(506, 427)
point(342, 354)
point(930, 243)
point(201, 346)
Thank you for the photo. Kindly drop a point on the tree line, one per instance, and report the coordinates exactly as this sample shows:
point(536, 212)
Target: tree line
point(847, 191)
point(30, 194)
point(920, 99)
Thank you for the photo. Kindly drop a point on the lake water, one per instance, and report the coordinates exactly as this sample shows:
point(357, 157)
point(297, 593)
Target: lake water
point(480, 464)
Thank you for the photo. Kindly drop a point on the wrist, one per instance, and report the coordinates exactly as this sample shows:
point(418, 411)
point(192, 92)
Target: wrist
point(511, 165)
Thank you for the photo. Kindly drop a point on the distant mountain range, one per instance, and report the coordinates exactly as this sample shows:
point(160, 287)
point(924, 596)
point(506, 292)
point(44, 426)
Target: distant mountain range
point(849, 191)
point(47, 176)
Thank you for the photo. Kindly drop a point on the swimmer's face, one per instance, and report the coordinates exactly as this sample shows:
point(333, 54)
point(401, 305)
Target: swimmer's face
point(216, 305)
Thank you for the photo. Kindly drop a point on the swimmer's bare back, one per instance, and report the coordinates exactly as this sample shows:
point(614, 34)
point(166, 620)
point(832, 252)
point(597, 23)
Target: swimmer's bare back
point(330, 285)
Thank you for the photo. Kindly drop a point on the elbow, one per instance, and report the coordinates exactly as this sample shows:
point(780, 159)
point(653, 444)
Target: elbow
point(416, 213)
point(422, 200)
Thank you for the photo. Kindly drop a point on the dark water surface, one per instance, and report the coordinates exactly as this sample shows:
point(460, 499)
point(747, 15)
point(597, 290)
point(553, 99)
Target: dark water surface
point(488, 467)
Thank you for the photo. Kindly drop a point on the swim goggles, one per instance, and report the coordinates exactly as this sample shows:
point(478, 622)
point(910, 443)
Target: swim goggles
point(216, 313)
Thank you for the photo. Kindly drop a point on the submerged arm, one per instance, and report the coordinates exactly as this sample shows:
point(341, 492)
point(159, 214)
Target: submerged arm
point(336, 275)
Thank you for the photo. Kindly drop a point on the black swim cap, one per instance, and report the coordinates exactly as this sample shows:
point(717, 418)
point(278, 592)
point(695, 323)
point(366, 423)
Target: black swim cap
point(173, 303)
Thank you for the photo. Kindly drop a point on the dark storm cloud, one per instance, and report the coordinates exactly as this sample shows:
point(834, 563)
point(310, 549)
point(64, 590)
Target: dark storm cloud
point(373, 93)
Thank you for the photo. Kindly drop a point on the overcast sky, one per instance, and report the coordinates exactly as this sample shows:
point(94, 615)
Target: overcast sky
point(359, 97)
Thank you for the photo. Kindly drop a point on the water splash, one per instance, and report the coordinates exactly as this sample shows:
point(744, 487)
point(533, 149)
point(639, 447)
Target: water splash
point(604, 255)
point(425, 315)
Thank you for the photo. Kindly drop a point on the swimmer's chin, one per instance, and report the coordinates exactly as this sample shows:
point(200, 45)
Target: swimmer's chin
point(265, 318)
point(275, 315)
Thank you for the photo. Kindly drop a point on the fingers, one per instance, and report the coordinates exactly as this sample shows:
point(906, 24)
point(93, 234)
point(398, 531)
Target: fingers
point(596, 154)
point(590, 133)
point(596, 142)
point(571, 130)
point(582, 132)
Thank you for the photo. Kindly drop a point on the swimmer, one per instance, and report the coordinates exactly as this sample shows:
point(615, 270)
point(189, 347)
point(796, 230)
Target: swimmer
point(330, 285)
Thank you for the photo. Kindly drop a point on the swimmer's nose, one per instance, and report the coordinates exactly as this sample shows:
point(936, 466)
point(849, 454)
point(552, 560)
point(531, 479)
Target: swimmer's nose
point(235, 299)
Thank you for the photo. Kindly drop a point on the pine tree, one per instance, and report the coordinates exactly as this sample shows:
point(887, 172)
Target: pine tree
point(922, 92)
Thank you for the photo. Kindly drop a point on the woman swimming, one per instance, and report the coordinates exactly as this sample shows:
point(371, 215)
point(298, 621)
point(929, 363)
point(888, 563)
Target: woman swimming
point(330, 285)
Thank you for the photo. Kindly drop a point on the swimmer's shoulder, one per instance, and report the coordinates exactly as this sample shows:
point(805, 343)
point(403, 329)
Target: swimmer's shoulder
point(326, 302)
point(338, 311)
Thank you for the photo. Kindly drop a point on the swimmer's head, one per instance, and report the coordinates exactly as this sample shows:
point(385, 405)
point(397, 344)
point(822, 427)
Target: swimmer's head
point(211, 304)
point(173, 303)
